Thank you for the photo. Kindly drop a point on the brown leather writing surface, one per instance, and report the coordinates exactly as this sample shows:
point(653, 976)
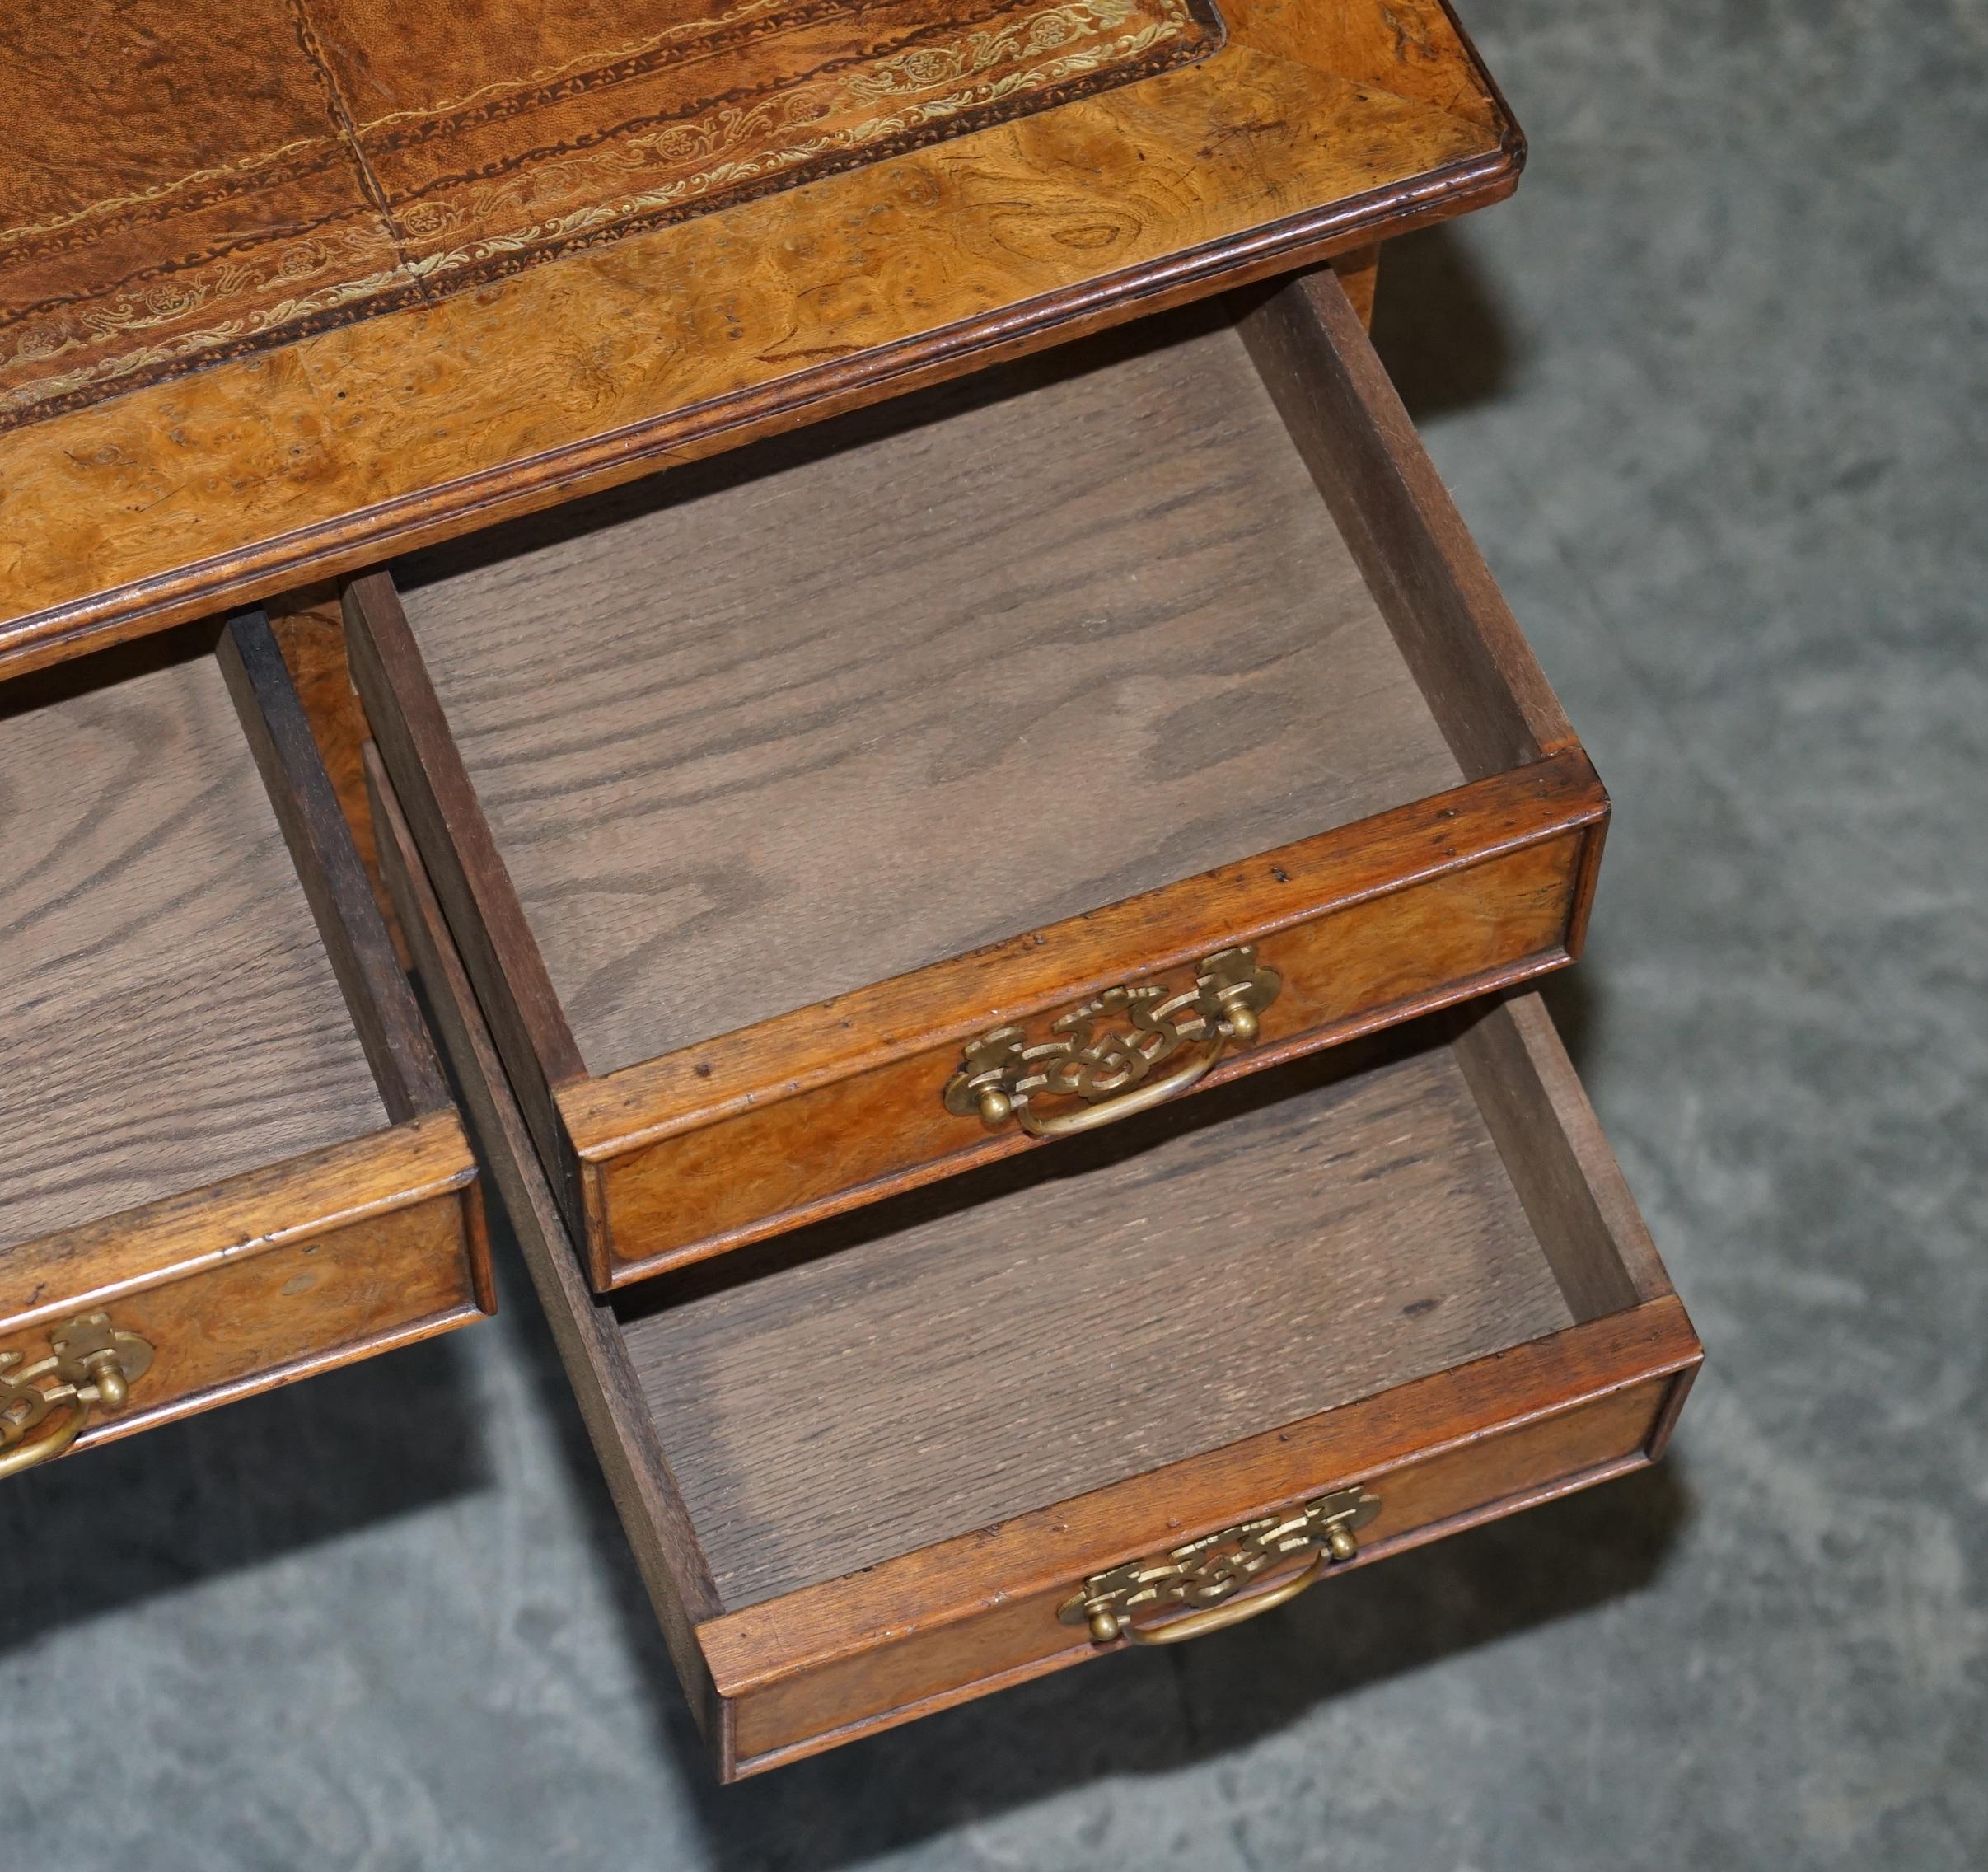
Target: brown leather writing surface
point(171, 187)
point(184, 183)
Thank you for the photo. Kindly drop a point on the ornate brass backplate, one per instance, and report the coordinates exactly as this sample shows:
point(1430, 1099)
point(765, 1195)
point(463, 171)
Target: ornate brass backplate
point(1107, 1052)
point(90, 1364)
point(1203, 1575)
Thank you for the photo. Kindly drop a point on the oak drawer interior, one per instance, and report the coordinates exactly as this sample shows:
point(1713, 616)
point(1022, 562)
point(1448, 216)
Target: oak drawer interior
point(171, 1017)
point(221, 1122)
point(758, 790)
point(1054, 1324)
point(865, 1466)
point(897, 687)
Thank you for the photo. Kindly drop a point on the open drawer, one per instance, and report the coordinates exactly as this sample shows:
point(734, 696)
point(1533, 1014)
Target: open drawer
point(1160, 1379)
point(228, 1157)
point(869, 804)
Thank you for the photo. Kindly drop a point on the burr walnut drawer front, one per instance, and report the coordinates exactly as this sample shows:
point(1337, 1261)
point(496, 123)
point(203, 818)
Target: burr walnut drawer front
point(1157, 1380)
point(227, 1154)
point(870, 804)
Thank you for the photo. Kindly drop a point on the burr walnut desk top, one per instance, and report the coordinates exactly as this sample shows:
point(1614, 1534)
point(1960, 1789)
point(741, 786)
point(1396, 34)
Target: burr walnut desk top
point(307, 282)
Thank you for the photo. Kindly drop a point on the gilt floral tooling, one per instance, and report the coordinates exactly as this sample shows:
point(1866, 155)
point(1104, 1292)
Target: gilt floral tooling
point(179, 185)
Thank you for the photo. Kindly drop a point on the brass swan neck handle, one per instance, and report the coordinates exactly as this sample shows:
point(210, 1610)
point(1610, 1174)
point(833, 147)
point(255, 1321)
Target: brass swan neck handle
point(1105, 1055)
point(1208, 1580)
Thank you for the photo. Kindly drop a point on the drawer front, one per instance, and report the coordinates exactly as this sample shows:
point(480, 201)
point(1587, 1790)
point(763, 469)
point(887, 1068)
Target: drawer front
point(212, 1023)
point(247, 1320)
point(1023, 1636)
point(784, 1149)
point(670, 856)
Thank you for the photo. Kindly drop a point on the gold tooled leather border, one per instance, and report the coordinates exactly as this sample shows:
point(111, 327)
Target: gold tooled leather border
point(753, 144)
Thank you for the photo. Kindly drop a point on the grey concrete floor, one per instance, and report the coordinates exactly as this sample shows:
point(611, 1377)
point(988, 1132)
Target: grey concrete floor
point(1712, 391)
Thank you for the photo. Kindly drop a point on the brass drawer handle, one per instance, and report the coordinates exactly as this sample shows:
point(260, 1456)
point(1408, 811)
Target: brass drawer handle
point(1106, 1052)
point(93, 1363)
point(1210, 1573)
point(1196, 1624)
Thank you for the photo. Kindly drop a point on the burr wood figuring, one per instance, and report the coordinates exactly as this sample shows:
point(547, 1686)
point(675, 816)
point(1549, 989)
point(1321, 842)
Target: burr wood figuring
point(400, 273)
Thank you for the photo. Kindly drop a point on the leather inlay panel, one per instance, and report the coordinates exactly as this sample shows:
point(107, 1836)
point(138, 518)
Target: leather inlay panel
point(245, 175)
point(173, 189)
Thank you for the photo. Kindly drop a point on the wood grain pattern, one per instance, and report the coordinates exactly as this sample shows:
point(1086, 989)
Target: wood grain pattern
point(820, 1666)
point(1599, 1353)
point(1675, 1398)
point(226, 1326)
point(377, 994)
point(357, 157)
point(197, 1230)
point(310, 627)
point(1358, 273)
point(1414, 51)
point(960, 1580)
point(1028, 1334)
point(1559, 1162)
point(193, 1141)
point(529, 1027)
point(171, 1016)
point(803, 1117)
point(173, 501)
point(847, 704)
point(540, 130)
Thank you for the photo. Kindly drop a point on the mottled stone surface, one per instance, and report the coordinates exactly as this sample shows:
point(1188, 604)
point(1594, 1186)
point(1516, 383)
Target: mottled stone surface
point(1713, 391)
